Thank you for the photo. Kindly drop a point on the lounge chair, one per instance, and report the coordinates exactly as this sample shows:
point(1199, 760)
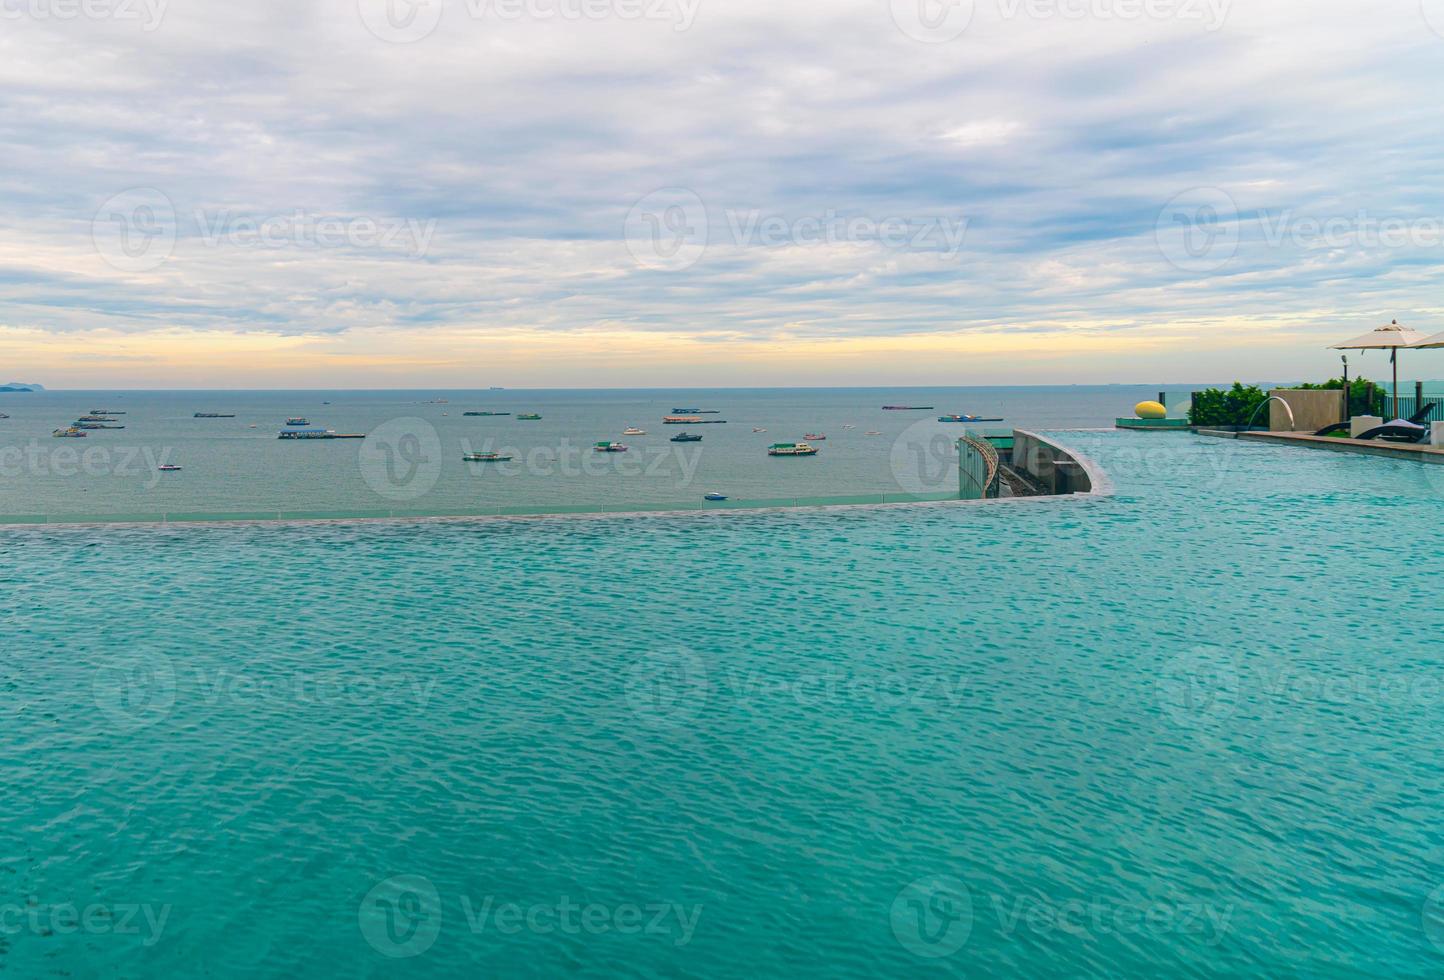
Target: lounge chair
point(1417, 419)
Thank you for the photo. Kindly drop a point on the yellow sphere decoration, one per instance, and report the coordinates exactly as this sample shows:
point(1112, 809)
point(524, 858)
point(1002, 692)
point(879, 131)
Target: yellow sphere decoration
point(1150, 410)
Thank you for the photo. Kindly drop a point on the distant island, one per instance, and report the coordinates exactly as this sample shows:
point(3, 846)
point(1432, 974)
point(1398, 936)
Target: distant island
point(20, 386)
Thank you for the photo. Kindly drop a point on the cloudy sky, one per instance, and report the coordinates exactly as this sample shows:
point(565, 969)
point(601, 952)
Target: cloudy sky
point(453, 193)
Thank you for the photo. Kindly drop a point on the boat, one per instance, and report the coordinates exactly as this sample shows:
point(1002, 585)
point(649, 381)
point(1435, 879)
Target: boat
point(3, 415)
point(714, 496)
point(106, 411)
point(849, 427)
point(95, 418)
point(609, 447)
point(483, 415)
point(907, 408)
point(168, 468)
point(965, 418)
point(529, 417)
point(755, 429)
point(96, 425)
point(690, 420)
point(815, 437)
point(346, 435)
point(298, 421)
point(695, 411)
point(485, 458)
point(686, 437)
point(872, 432)
point(632, 430)
point(312, 434)
point(70, 432)
point(791, 449)
point(215, 415)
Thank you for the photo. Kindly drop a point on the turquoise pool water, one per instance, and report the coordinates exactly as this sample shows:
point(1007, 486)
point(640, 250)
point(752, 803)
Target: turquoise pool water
point(1188, 729)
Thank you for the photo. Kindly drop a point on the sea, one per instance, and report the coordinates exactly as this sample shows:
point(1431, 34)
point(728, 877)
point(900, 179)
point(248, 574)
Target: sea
point(411, 461)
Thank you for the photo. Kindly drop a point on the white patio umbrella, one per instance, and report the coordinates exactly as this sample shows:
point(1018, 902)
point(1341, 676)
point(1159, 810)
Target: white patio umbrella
point(1390, 337)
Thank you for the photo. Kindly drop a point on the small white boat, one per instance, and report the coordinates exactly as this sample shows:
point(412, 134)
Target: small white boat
point(168, 468)
point(759, 430)
point(872, 433)
point(632, 430)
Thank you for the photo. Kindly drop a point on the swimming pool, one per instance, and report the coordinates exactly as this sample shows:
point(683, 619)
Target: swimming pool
point(1189, 727)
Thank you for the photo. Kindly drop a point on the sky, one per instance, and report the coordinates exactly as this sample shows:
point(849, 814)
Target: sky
point(666, 193)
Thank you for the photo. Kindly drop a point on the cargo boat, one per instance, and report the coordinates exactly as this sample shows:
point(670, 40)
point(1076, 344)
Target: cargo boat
point(485, 458)
point(106, 411)
point(529, 417)
point(791, 449)
point(96, 425)
point(483, 415)
point(907, 408)
point(298, 421)
point(317, 434)
point(695, 411)
point(215, 415)
point(95, 418)
point(691, 420)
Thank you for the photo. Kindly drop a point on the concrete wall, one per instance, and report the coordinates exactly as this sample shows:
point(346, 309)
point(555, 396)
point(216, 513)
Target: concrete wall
point(1312, 409)
point(1052, 466)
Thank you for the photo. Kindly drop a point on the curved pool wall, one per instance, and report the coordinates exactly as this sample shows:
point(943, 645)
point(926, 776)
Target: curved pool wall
point(1045, 459)
point(1191, 728)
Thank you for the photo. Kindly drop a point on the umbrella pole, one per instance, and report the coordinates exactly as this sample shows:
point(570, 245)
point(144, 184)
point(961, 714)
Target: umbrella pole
point(1395, 359)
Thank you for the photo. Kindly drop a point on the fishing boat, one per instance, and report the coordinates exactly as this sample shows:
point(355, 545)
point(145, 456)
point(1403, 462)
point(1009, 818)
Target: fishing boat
point(791, 449)
point(714, 496)
point(815, 437)
point(965, 418)
point(70, 432)
point(168, 468)
point(632, 430)
point(907, 408)
point(484, 415)
point(485, 458)
point(686, 437)
point(529, 417)
point(609, 447)
point(298, 421)
point(215, 415)
point(690, 420)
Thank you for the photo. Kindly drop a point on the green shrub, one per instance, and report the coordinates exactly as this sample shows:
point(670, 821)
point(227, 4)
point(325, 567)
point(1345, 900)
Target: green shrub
point(1365, 397)
point(1213, 406)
